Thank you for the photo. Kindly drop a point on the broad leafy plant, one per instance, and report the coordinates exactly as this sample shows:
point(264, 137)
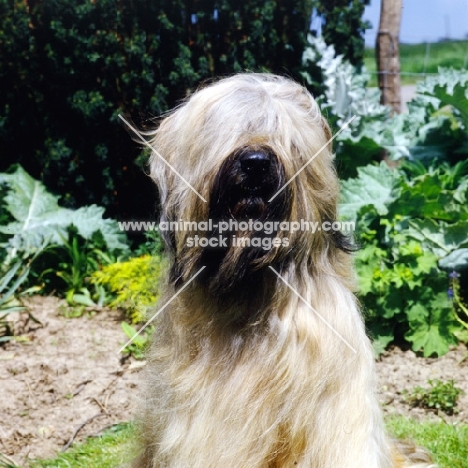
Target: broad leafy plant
point(410, 222)
point(435, 128)
point(38, 220)
point(66, 245)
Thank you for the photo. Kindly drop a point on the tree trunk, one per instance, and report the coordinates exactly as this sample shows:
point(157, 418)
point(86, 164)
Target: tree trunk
point(387, 53)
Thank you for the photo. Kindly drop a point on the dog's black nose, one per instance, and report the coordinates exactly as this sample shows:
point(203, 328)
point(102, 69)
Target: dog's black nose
point(255, 163)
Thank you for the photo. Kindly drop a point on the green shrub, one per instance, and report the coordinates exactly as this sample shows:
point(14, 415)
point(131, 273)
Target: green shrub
point(409, 222)
point(134, 284)
point(440, 396)
point(344, 27)
point(65, 268)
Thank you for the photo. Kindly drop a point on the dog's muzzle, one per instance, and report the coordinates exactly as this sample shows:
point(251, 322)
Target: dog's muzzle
point(245, 183)
point(255, 165)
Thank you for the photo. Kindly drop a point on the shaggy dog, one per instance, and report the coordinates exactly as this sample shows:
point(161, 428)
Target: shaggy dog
point(260, 357)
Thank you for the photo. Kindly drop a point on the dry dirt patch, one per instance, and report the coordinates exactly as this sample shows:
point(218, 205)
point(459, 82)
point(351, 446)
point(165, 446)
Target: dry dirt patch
point(70, 371)
point(400, 370)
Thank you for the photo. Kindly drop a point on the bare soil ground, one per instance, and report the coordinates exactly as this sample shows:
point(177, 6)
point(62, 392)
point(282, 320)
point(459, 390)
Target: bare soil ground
point(400, 370)
point(69, 376)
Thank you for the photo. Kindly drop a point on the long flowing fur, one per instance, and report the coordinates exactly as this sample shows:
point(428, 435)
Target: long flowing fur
point(244, 370)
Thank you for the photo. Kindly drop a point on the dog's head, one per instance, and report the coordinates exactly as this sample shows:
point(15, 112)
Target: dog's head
point(237, 163)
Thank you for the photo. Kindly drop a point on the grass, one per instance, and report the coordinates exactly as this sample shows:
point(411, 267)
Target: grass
point(110, 450)
point(448, 444)
point(412, 58)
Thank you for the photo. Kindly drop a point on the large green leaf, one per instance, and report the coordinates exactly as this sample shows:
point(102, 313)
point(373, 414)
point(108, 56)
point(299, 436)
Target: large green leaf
point(432, 329)
point(450, 87)
point(439, 237)
point(39, 220)
point(373, 186)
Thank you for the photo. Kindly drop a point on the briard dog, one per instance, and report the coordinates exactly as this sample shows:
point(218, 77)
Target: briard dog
point(260, 357)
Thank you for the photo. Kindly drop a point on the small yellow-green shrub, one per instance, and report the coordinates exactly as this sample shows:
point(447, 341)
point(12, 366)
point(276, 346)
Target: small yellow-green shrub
point(134, 284)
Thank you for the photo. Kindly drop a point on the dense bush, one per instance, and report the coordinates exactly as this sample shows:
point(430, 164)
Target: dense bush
point(69, 68)
point(134, 284)
point(48, 247)
point(343, 27)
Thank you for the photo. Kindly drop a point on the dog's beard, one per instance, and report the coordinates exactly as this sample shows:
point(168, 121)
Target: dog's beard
point(240, 197)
